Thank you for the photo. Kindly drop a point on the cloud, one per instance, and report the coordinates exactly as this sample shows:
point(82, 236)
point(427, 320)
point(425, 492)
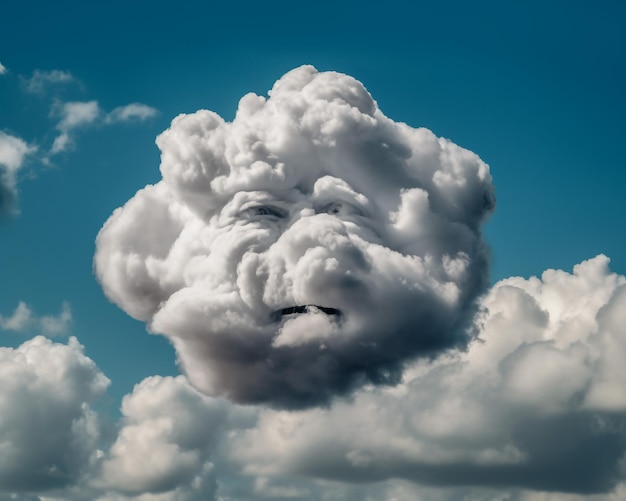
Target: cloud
point(48, 431)
point(534, 410)
point(24, 320)
point(82, 114)
point(130, 112)
point(74, 115)
point(309, 247)
point(13, 153)
point(41, 80)
point(537, 403)
point(3, 69)
point(166, 439)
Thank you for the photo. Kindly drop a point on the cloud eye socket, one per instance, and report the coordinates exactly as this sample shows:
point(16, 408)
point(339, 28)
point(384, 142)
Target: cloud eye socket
point(264, 211)
point(341, 209)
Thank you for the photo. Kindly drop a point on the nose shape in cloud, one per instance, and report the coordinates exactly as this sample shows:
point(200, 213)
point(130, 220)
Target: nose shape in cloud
point(361, 232)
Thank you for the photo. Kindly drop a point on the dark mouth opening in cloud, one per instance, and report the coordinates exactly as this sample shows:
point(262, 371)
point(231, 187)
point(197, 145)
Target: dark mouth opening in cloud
point(307, 308)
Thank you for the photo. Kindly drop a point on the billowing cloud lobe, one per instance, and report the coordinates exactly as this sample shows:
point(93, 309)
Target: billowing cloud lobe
point(308, 247)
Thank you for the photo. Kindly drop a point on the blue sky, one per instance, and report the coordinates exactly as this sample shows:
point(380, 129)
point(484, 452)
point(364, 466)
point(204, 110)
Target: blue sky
point(536, 90)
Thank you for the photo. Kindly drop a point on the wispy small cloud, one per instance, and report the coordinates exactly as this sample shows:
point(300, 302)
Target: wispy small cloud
point(23, 319)
point(81, 114)
point(40, 80)
point(3, 69)
point(133, 111)
point(73, 115)
point(13, 152)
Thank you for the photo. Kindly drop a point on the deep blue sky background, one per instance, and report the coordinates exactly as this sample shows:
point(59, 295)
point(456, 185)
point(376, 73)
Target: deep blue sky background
point(537, 90)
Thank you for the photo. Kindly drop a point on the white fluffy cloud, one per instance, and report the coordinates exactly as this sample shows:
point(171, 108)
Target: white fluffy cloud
point(13, 152)
point(537, 402)
point(534, 410)
point(78, 115)
point(73, 116)
point(3, 69)
point(24, 320)
point(48, 431)
point(166, 439)
point(130, 112)
point(309, 247)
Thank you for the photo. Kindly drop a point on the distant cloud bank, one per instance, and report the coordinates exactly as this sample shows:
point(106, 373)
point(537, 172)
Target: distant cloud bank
point(538, 394)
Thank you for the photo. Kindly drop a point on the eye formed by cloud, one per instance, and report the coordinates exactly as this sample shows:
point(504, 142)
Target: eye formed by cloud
point(24, 320)
point(41, 80)
point(48, 431)
point(309, 247)
point(538, 402)
point(13, 153)
point(130, 112)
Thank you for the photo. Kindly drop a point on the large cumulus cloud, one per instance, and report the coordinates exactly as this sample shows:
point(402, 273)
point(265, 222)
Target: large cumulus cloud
point(533, 410)
point(168, 433)
point(48, 430)
point(308, 247)
point(538, 402)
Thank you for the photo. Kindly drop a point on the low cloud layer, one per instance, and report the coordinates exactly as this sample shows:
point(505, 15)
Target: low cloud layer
point(170, 432)
point(534, 410)
point(309, 247)
point(48, 431)
point(538, 402)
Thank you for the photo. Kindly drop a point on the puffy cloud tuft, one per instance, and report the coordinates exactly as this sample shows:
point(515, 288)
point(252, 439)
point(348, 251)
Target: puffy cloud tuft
point(538, 402)
point(309, 247)
point(48, 431)
point(3, 69)
point(165, 444)
point(76, 115)
point(73, 116)
point(13, 152)
point(23, 320)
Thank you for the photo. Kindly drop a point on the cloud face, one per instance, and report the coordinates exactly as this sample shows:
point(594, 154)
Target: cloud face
point(13, 152)
point(309, 247)
point(48, 431)
point(538, 402)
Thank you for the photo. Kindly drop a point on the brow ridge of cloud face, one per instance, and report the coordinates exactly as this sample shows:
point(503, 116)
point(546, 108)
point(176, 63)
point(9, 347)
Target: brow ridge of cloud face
point(309, 197)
